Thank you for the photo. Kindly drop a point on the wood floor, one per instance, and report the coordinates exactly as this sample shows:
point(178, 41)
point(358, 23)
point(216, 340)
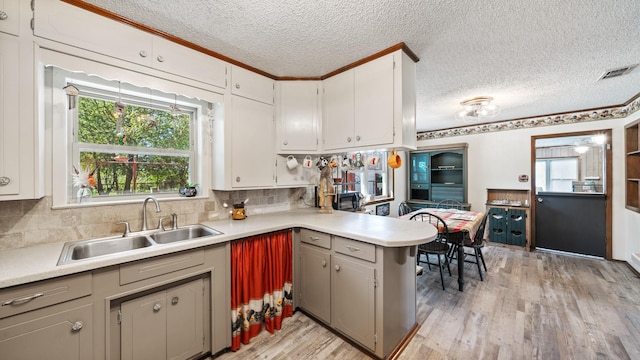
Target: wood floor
point(530, 306)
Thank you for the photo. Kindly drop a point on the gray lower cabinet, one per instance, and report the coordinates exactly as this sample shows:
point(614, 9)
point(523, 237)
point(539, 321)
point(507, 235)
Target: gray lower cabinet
point(164, 325)
point(363, 291)
point(59, 335)
point(315, 285)
point(352, 287)
point(50, 319)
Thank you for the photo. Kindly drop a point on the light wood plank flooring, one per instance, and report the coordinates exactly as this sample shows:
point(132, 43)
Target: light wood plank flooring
point(531, 306)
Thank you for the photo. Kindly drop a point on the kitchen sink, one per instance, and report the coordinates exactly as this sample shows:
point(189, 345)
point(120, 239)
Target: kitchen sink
point(86, 249)
point(184, 233)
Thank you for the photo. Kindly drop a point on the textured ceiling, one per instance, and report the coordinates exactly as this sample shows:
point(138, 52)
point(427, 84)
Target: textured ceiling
point(534, 57)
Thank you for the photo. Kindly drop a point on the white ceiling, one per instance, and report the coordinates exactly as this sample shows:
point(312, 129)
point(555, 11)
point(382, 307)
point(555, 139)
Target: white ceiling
point(534, 57)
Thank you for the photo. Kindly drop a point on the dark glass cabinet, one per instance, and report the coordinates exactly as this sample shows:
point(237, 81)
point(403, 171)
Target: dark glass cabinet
point(438, 175)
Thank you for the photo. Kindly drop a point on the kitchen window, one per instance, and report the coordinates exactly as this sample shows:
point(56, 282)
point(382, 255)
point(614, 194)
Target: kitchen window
point(124, 141)
point(556, 175)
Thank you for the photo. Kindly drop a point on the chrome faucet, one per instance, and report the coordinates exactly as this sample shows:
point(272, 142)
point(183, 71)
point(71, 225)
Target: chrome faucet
point(144, 210)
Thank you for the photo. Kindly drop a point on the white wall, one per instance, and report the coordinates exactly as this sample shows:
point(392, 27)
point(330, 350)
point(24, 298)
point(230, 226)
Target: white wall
point(496, 159)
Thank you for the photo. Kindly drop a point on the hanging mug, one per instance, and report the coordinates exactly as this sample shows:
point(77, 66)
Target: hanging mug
point(394, 160)
point(346, 164)
point(307, 162)
point(373, 160)
point(292, 162)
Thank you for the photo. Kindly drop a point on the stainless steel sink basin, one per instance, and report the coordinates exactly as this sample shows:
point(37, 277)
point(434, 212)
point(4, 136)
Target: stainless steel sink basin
point(84, 249)
point(184, 233)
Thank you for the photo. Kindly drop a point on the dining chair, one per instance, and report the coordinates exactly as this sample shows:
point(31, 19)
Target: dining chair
point(403, 208)
point(450, 204)
point(477, 244)
point(438, 247)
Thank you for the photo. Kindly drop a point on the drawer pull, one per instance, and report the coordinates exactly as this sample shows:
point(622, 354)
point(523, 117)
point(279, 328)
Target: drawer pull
point(4, 180)
point(22, 299)
point(337, 267)
point(352, 248)
point(77, 326)
point(157, 307)
point(174, 300)
point(3, 15)
point(314, 238)
point(324, 263)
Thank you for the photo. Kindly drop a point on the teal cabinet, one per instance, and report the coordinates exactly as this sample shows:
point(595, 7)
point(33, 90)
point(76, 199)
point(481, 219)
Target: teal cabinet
point(438, 175)
point(508, 226)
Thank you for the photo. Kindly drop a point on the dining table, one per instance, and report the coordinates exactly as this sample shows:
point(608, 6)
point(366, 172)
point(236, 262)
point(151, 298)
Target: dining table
point(461, 224)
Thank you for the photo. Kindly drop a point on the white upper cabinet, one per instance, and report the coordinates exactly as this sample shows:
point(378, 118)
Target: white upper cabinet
point(9, 115)
point(252, 152)
point(338, 115)
point(251, 85)
point(297, 114)
point(371, 106)
point(10, 16)
point(68, 24)
point(373, 102)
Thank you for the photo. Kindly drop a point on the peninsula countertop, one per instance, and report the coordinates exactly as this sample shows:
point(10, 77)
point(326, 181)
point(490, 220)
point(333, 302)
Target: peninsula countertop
point(34, 263)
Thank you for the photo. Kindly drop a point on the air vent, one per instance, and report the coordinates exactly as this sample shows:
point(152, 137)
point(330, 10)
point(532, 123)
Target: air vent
point(617, 72)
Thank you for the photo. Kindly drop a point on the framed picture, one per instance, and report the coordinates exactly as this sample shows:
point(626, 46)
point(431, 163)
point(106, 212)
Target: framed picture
point(383, 209)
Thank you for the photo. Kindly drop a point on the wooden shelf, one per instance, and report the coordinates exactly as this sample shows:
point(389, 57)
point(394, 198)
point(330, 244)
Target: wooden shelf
point(632, 166)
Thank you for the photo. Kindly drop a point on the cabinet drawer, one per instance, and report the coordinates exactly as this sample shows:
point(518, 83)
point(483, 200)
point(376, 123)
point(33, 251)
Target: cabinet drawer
point(251, 85)
point(145, 269)
point(315, 238)
point(355, 248)
point(33, 296)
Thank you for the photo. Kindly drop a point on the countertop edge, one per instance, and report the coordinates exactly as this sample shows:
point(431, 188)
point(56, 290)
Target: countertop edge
point(39, 262)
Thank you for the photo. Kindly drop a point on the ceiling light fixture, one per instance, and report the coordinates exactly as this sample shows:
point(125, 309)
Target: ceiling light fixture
point(477, 109)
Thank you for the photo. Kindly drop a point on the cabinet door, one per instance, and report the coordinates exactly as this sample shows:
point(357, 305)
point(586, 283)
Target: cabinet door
point(353, 295)
point(9, 115)
point(62, 335)
point(337, 126)
point(498, 225)
point(298, 115)
point(374, 102)
point(185, 325)
point(68, 24)
point(315, 287)
point(251, 85)
point(516, 227)
point(11, 23)
point(177, 59)
point(252, 155)
point(143, 328)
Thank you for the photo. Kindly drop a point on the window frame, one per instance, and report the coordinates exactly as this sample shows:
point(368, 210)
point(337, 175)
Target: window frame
point(62, 135)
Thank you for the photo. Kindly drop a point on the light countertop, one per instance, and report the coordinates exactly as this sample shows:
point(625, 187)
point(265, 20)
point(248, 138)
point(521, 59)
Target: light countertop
point(23, 265)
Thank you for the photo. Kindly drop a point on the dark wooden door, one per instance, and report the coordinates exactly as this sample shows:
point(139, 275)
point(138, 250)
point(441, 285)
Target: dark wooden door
point(571, 222)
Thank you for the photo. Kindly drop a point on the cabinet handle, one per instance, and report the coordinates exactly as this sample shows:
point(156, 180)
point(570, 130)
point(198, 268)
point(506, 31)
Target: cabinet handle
point(4, 180)
point(285, 142)
point(77, 326)
point(21, 300)
point(174, 300)
point(358, 138)
point(160, 59)
point(349, 139)
point(354, 249)
point(157, 307)
point(143, 53)
point(237, 86)
point(237, 178)
point(324, 263)
point(337, 267)
point(3, 15)
point(314, 238)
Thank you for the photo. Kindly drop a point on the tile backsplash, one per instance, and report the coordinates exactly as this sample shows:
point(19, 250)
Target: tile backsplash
point(31, 222)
